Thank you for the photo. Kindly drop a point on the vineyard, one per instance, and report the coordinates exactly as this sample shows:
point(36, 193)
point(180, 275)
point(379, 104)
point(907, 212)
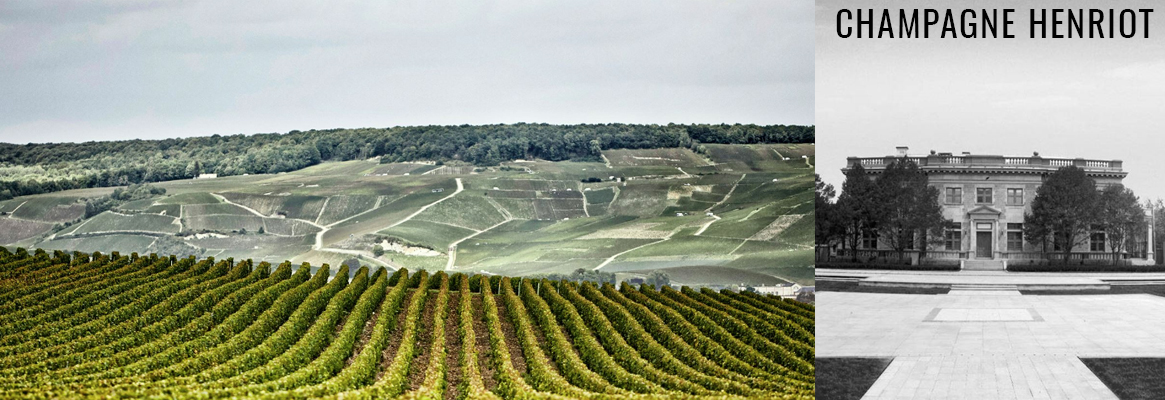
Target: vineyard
point(79, 325)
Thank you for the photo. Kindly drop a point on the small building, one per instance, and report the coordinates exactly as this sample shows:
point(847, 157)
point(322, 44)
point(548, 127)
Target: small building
point(787, 290)
point(206, 176)
point(438, 190)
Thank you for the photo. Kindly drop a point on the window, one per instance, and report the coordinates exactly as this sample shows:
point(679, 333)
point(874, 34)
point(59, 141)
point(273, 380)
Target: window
point(1015, 197)
point(953, 237)
point(1014, 236)
point(983, 195)
point(909, 240)
point(1058, 240)
point(1096, 240)
point(954, 195)
point(869, 240)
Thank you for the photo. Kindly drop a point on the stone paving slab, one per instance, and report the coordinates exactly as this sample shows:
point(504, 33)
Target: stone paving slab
point(985, 355)
point(880, 325)
point(988, 377)
point(964, 274)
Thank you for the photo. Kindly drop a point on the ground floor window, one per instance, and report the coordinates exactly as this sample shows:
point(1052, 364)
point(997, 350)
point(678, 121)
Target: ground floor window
point(1096, 240)
point(870, 240)
point(1014, 237)
point(953, 237)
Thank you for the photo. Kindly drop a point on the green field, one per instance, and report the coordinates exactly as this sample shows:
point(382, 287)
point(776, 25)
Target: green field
point(113, 222)
point(435, 236)
point(525, 217)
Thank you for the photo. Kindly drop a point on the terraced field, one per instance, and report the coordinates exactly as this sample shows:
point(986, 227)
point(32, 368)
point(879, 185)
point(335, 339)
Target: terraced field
point(740, 206)
point(105, 326)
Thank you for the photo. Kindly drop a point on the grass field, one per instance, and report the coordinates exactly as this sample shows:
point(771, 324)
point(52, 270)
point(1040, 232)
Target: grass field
point(654, 157)
point(432, 235)
point(464, 210)
point(48, 208)
point(112, 222)
point(194, 210)
point(293, 206)
point(337, 208)
point(189, 198)
point(13, 230)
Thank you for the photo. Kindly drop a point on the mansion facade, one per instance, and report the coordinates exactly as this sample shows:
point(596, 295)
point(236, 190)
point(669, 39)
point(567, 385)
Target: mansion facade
point(986, 197)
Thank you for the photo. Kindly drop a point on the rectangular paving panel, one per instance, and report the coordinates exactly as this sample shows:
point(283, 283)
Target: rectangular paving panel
point(983, 315)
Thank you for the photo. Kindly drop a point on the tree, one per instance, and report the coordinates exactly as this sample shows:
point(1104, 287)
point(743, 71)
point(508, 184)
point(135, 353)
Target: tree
point(825, 224)
point(910, 206)
point(1064, 209)
point(854, 209)
point(1122, 216)
point(659, 279)
point(377, 250)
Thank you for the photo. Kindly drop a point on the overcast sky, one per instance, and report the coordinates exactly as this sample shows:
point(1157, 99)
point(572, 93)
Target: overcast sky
point(75, 71)
point(1092, 98)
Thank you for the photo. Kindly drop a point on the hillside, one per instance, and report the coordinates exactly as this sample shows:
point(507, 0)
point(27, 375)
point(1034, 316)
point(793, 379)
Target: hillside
point(631, 212)
point(38, 168)
point(96, 325)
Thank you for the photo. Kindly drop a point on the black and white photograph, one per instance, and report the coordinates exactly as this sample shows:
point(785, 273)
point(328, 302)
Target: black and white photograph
point(990, 209)
point(440, 200)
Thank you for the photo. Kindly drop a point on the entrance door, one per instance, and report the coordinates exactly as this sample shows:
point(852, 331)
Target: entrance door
point(983, 244)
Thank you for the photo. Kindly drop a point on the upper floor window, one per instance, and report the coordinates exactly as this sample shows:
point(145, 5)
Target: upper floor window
point(954, 195)
point(983, 195)
point(1015, 197)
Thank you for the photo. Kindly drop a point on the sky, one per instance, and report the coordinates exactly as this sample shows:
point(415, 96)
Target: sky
point(117, 69)
point(1090, 98)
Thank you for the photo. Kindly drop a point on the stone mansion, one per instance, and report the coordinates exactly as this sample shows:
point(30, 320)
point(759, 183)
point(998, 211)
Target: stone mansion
point(986, 197)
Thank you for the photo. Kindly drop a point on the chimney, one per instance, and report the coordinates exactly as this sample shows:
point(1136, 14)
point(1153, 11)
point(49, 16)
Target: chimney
point(902, 150)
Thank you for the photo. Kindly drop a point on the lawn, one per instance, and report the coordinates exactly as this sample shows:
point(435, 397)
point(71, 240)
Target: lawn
point(846, 378)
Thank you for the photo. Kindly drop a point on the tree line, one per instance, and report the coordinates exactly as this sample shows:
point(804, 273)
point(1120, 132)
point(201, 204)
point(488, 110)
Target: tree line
point(41, 168)
point(903, 211)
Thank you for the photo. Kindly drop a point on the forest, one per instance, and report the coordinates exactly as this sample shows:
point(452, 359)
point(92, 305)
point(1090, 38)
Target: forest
point(36, 168)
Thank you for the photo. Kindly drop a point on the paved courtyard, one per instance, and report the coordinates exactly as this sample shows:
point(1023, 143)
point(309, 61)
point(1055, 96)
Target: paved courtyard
point(1000, 344)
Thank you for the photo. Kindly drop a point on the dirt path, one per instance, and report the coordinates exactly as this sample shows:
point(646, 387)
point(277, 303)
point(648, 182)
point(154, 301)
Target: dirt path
point(709, 209)
point(606, 161)
point(453, 246)
point(460, 188)
point(17, 208)
point(706, 225)
point(322, 208)
point(612, 258)
point(727, 195)
point(584, 199)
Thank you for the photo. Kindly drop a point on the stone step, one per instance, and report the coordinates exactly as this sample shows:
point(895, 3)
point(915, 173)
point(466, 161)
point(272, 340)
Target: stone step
point(983, 265)
point(984, 287)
